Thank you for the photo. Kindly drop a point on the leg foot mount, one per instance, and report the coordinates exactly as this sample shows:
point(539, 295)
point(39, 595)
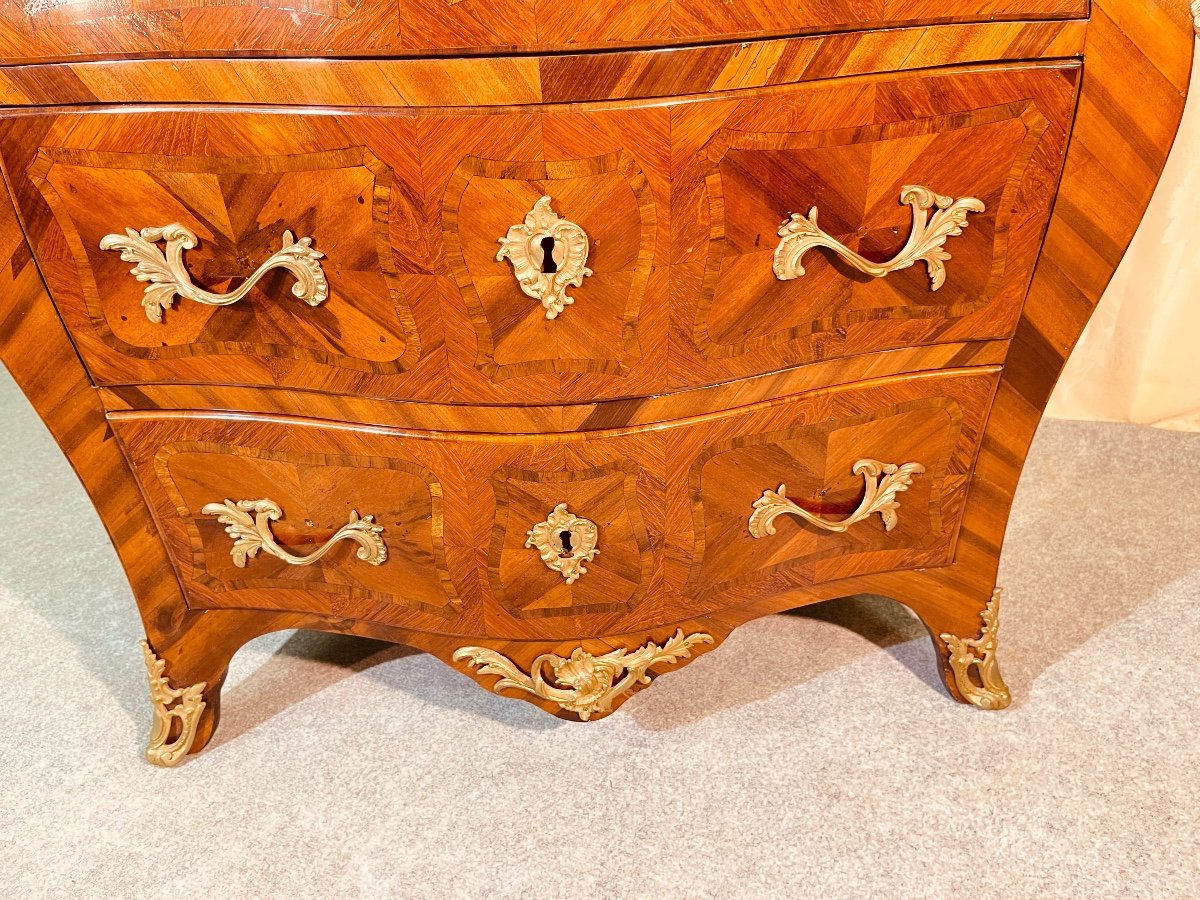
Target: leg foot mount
point(176, 713)
point(978, 655)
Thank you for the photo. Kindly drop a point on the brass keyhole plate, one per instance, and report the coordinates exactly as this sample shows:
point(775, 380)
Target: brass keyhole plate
point(565, 542)
point(549, 255)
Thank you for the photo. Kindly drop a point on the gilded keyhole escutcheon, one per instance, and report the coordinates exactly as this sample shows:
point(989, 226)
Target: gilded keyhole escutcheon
point(548, 254)
point(565, 542)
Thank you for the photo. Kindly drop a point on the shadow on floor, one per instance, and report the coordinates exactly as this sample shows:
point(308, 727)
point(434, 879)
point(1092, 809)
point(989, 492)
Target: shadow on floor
point(818, 638)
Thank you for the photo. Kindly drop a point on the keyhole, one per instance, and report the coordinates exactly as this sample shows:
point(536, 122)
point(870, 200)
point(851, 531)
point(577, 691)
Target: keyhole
point(564, 538)
point(549, 266)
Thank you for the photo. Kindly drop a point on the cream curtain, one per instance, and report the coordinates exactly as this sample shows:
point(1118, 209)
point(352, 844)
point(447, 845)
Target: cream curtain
point(1139, 360)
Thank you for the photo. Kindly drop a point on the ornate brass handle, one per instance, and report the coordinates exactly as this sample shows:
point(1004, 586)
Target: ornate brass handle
point(583, 684)
point(565, 542)
point(168, 276)
point(929, 235)
point(548, 255)
point(883, 482)
point(253, 534)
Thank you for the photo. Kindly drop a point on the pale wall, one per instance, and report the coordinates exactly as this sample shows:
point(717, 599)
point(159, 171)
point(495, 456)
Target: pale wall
point(1139, 360)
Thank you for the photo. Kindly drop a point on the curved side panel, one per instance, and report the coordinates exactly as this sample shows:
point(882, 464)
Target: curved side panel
point(40, 357)
point(1138, 66)
point(38, 354)
point(1136, 74)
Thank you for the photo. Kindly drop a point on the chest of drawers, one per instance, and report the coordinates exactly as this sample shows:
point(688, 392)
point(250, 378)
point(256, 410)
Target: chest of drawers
point(559, 342)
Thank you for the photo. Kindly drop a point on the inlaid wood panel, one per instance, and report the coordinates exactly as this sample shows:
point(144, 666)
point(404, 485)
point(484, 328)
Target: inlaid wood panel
point(684, 480)
point(408, 212)
point(318, 480)
point(63, 29)
point(605, 195)
point(671, 504)
point(595, 416)
point(815, 459)
point(742, 166)
point(239, 208)
point(611, 495)
point(681, 202)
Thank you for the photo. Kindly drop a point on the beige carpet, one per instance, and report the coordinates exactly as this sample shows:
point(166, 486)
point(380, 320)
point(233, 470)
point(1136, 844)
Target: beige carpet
point(814, 755)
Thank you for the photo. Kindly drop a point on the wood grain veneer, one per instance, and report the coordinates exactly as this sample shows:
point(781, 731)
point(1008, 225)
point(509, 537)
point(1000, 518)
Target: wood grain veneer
point(443, 496)
point(680, 200)
point(430, 393)
point(65, 29)
point(515, 80)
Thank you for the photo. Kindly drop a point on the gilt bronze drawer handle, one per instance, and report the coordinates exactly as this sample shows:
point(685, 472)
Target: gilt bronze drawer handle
point(168, 276)
point(253, 534)
point(565, 541)
point(883, 482)
point(548, 255)
point(925, 244)
point(583, 684)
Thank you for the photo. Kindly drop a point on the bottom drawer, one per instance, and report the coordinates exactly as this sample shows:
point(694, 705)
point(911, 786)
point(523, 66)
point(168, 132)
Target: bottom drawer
point(554, 536)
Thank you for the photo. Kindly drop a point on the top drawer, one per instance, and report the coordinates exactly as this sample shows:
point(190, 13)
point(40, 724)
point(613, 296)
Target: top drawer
point(428, 275)
point(68, 29)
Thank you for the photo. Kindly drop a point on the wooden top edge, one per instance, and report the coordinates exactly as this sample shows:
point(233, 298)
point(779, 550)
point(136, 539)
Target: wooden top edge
point(489, 81)
point(23, 40)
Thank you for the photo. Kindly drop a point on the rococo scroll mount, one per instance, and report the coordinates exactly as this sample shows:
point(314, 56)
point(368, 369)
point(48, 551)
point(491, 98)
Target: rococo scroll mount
point(926, 243)
point(170, 705)
point(583, 684)
point(882, 482)
point(168, 276)
point(979, 654)
point(548, 254)
point(253, 533)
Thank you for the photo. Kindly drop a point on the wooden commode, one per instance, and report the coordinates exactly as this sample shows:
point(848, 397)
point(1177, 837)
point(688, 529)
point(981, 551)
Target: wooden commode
point(559, 340)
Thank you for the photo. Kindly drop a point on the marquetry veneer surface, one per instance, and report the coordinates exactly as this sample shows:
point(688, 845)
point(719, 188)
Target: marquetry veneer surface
point(681, 202)
point(384, 432)
point(443, 497)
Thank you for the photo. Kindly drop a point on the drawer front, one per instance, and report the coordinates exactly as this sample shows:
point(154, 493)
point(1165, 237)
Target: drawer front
point(806, 498)
point(867, 258)
point(391, 225)
point(71, 28)
point(542, 536)
point(542, 255)
point(237, 213)
point(268, 517)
